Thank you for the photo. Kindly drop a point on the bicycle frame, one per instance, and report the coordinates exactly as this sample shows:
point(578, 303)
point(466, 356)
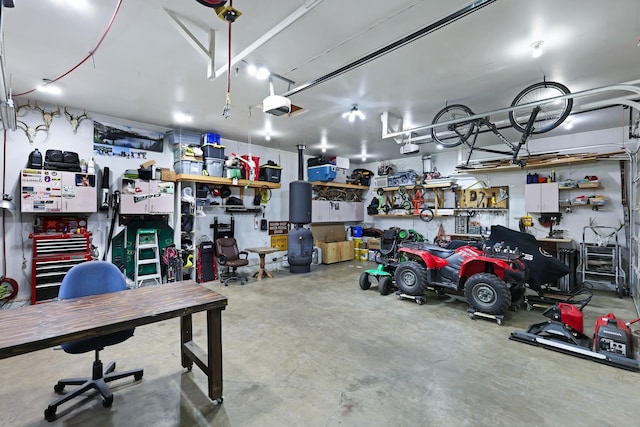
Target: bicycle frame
point(514, 149)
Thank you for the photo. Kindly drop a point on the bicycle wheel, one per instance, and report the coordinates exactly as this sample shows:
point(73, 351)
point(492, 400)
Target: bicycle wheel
point(454, 134)
point(551, 115)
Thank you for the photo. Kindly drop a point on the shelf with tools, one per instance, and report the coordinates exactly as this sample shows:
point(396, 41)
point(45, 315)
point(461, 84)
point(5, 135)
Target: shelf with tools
point(594, 201)
point(411, 200)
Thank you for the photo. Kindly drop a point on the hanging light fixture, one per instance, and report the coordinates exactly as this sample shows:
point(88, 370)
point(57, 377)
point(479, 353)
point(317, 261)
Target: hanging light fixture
point(353, 113)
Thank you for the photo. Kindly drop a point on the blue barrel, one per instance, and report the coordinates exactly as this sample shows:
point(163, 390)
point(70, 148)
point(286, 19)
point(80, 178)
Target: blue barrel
point(356, 231)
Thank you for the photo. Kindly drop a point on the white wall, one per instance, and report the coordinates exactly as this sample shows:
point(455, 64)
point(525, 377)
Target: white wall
point(60, 136)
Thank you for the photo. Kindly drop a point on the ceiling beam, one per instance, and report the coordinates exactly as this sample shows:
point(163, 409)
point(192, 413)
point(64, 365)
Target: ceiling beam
point(207, 53)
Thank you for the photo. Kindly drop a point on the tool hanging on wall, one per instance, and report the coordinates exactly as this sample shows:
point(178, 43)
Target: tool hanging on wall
point(115, 205)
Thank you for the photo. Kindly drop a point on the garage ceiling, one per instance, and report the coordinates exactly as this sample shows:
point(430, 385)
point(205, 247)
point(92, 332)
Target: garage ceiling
point(145, 70)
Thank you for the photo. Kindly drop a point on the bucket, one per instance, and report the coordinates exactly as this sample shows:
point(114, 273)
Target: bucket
point(356, 231)
point(357, 241)
point(356, 254)
point(364, 255)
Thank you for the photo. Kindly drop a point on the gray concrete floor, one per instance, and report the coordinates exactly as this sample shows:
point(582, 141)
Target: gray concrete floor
point(316, 350)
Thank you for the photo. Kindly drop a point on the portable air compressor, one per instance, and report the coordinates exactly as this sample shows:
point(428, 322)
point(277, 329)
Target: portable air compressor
point(612, 335)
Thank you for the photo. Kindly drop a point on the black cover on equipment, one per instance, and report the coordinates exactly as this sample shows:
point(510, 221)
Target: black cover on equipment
point(207, 269)
point(543, 267)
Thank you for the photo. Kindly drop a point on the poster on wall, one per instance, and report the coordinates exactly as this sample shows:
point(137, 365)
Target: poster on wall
point(125, 141)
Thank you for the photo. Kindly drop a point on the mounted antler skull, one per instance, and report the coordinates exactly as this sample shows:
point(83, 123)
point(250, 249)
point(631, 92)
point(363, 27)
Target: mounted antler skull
point(47, 116)
point(31, 131)
point(75, 120)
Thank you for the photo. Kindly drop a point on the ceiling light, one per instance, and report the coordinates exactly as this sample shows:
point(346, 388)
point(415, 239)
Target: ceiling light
point(439, 146)
point(568, 124)
point(182, 118)
point(268, 137)
point(259, 72)
point(49, 88)
point(537, 48)
point(353, 113)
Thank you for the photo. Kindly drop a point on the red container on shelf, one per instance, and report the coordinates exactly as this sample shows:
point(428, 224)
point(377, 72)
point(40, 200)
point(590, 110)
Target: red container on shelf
point(246, 169)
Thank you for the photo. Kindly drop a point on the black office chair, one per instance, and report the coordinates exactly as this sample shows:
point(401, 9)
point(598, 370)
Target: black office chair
point(92, 278)
point(231, 258)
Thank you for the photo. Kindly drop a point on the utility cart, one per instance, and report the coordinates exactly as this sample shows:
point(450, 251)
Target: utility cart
point(600, 258)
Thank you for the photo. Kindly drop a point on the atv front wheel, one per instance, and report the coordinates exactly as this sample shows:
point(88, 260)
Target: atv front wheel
point(364, 281)
point(487, 293)
point(411, 278)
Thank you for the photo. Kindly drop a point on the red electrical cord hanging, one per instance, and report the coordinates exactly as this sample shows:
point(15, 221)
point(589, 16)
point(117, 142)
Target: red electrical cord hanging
point(91, 53)
point(230, 17)
point(9, 286)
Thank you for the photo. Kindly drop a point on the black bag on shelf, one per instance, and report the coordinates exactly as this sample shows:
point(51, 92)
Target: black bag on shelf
point(318, 161)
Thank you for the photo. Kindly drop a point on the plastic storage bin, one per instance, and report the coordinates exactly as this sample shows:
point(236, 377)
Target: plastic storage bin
point(189, 167)
point(213, 151)
point(322, 173)
point(214, 167)
point(270, 173)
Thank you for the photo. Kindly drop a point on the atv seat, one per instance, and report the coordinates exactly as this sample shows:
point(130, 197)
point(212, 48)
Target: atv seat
point(439, 251)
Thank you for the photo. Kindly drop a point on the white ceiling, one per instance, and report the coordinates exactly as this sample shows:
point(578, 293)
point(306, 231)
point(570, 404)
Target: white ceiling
point(145, 70)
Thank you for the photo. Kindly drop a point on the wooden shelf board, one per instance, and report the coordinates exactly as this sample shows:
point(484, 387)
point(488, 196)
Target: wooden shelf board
point(216, 180)
point(537, 161)
point(338, 185)
point(425, 186)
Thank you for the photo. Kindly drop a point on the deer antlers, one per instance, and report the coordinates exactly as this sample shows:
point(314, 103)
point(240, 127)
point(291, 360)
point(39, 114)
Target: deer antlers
point(75, 120)
point(31, 131)
point(47, 116)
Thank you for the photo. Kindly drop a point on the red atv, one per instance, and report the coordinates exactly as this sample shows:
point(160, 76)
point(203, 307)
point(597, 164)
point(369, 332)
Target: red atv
point(491, 279)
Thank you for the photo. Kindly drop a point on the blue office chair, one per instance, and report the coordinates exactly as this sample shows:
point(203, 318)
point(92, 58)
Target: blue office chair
point(92, 278)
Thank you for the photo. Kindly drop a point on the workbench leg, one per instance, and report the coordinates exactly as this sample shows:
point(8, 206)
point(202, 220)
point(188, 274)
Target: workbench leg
point(186, 335)
point(214, 352)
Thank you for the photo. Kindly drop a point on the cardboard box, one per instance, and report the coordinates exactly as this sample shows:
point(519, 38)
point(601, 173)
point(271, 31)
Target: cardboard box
point(336, 251)
point(168, 175)
point(373, 243)
point(328, 233)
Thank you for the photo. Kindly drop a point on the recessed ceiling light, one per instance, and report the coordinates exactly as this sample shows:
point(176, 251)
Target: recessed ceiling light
point(537, 48)
point(182, 118)
point(48, 87)
point(568, 124)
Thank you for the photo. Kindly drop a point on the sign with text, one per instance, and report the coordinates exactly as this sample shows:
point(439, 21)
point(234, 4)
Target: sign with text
point(278, 227)
point(280, 242)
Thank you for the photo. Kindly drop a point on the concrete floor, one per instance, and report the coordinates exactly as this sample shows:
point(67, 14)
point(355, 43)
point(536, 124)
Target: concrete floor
point(316, 350)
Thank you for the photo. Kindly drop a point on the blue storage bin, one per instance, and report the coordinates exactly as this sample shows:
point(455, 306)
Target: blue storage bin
point(322, 173)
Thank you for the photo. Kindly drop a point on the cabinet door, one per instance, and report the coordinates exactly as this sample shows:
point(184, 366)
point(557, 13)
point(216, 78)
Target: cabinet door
point(549, 197)
point(40, 191)
point(320, 211)
point(134, 196)
point(79, 192)
point(541, 197)
point(161, 197)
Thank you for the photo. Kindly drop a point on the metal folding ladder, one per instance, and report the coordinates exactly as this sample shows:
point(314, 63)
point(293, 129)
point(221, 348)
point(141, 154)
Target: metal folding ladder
point(147, 258)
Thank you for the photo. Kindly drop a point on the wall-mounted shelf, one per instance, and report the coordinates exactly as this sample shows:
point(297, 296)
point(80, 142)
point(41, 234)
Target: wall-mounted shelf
point(338, 185)
point(215, 180)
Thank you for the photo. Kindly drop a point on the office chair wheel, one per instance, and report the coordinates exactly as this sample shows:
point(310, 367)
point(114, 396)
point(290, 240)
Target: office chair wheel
point(138, 377)
point(107, 402)
point(58, 388)
point(50, 414)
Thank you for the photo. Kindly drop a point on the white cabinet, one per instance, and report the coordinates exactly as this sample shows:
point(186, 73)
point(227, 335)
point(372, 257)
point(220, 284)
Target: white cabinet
point(48, 191)
point(541, 197)
point(139, 196)
point(332, 211)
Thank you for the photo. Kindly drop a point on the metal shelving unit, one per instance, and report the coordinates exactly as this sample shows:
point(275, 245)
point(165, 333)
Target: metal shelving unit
point(600, 262)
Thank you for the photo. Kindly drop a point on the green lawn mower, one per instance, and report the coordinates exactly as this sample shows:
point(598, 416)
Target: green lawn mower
point(384, 278)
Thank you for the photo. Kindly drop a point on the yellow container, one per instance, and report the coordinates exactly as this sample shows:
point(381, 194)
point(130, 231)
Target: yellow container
point(357, 241)
point(356, 254)
point(364, 254)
